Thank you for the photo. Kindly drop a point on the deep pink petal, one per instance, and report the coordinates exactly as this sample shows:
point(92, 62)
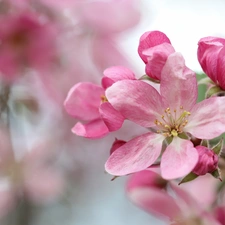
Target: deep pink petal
point(179, 158)
point(150, 39)
point(135, 155)
point(157, 57)
point(83, 101)
point(116, 73)
point(207, 118)
point(112, 118)
point(93, 129)
point(221, 68)
point(208, 51)
point(178, 83)
point(136, 101)
point(155, 201)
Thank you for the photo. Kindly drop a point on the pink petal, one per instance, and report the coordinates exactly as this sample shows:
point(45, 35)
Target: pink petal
point(116, 73)
point(155, 201)
point(179, 158)
point(208, 50)
point(207, 119)
point(7, 197)
point(135, 155)
point(93, 129)
point(136, 101)
point(150, 39)
point(178, 83)
point(191, 205)
point(99, 15)
point(43, 185)
point(112, 118)
point(83, 101)
point(157, 57)
point(145, 178)
point(221, 68)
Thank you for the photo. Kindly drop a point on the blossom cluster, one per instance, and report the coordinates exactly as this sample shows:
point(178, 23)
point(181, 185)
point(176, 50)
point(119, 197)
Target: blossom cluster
point(43, 47)
point(182, 137)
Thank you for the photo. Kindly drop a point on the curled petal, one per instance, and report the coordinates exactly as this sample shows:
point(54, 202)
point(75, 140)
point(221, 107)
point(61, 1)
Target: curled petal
point(136, 155)
point(150, 39)
point(208, 53)
point(221, 68)
point(112, 118)
point(157, 57)
point(207, 119)
point(83, 101)
point(136, 101)
point(116, 73)
point(179, 159)
point(93, 129)
point(178, 83)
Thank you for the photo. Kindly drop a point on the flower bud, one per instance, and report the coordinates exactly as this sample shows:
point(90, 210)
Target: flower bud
point(207, 162)
point(116, 144)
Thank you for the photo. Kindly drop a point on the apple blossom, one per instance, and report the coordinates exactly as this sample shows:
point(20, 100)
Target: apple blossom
point(86, 101)
point(173, 114)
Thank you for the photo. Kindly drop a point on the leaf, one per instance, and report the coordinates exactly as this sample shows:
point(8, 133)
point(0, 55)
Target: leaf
point(218, 147)
point(191, 176)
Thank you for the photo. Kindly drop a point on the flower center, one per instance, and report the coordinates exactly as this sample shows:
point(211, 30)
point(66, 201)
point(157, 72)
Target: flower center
point(172, 123)
point(103, 99)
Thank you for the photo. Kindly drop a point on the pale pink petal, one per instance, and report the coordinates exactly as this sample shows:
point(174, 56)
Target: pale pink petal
point(7, 197)
point(112, 118)
point(179, 158)
point(150, 39)
point(43, 185)
point(136, 101)
point(99, 14)
point(157, 57)
point(204, 196)
point(207, 118)
point(106, 53)
point(135, 155)
point(83, 101)
point(155, 201)
point(116, 73)
point(93, 129)
point(191, 206)
point(178, 83)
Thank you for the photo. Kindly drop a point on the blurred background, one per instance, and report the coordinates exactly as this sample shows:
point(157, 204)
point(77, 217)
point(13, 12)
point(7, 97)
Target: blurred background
point(48, 174)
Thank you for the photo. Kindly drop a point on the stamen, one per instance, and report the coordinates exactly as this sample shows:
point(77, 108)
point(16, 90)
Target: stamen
point(103, 99)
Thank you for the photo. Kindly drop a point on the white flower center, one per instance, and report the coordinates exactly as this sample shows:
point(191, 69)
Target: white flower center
point(172, 122)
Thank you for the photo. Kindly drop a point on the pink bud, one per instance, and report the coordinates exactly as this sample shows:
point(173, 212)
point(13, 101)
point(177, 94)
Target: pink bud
point(207, 162)
point(116, 144)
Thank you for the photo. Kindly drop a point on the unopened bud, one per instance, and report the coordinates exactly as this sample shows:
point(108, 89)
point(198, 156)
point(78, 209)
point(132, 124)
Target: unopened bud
point(207, 162)
point(116, 144)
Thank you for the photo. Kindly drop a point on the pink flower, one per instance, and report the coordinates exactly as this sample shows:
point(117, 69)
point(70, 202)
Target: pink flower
point(166, 201)
point(207, 162)
point(172, 114)
point(86, 101)
point(25, 41)
point(154, 49)
point(211, 56)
